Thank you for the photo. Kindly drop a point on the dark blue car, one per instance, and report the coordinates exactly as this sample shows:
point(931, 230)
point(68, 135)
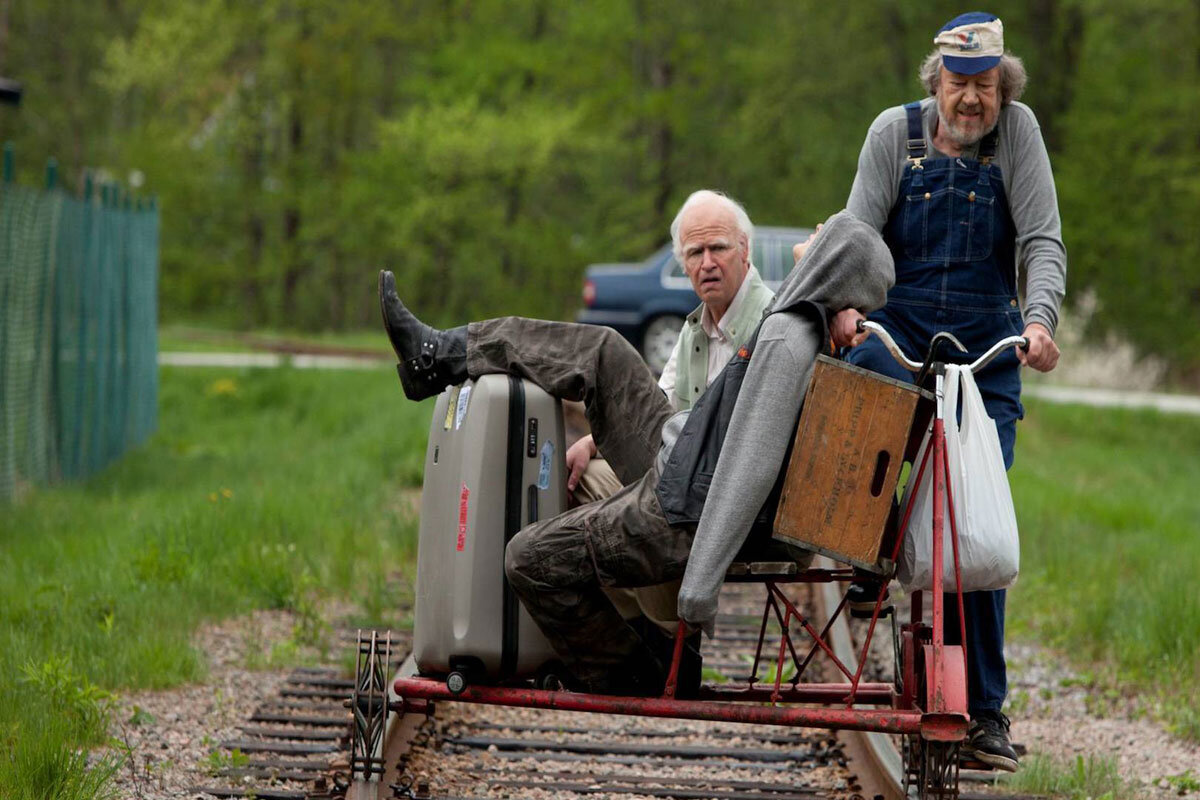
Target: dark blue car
point(646, 302)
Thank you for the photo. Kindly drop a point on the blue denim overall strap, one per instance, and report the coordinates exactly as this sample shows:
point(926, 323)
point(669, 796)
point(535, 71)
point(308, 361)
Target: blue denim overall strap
point(953, 242)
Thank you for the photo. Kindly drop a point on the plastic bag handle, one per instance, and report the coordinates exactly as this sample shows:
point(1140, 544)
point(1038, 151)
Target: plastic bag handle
point(954, 379)
point(971, 397)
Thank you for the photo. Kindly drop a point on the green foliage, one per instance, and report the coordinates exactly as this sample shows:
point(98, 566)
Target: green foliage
point(262, 486)
point(1107, 509)
point(69, 694)
point(1093, 777)
point(299, 145)
point(141, 716)
point(43, 762)
point(218, 760)
point(1184, 782)
point(1128, 174)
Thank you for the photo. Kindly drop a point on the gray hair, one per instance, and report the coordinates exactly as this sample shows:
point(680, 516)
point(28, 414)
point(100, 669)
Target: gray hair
point(707, 196)
point(1012, 75)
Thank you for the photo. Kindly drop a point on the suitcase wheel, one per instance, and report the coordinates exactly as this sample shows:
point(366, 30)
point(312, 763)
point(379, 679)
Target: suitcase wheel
point(456, 682)
point(552, 677)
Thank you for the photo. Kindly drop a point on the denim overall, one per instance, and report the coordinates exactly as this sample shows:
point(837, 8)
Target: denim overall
point(952, 239)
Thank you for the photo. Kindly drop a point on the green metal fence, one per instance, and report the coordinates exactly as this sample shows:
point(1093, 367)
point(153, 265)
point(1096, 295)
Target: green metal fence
point(78, 336)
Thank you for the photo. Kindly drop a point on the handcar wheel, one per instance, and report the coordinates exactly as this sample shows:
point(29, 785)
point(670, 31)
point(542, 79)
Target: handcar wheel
point(369, 704)
point(931, 768)
point(939, 771)
point(658, 341)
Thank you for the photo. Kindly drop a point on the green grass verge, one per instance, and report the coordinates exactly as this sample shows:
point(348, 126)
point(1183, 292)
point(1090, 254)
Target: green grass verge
point(262, 489)
point(1109, 508)
point(263, 485)
point(202, 338)
point(1091, 777)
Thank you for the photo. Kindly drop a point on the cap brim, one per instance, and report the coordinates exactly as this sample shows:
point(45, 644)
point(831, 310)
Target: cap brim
point(969, 66)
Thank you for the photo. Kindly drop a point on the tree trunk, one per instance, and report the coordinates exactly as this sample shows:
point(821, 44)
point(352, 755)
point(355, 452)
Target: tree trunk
point(5, 5)
point(1058, 30)
point(291, 218)
point(516, 183)
point(658, 73)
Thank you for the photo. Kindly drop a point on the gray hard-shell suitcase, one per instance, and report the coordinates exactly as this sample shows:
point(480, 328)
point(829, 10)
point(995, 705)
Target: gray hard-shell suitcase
point(494, 464)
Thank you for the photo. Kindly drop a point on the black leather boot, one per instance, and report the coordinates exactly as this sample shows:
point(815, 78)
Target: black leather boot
point(430, 360)
point(643, 676)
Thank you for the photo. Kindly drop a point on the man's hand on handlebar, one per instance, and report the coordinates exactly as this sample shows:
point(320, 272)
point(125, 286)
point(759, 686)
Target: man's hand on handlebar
point(844, 328)
point(1042, 352)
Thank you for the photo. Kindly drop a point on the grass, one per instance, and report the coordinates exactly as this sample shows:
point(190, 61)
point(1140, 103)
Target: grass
point(273, 488)
point(1085, 777)
point(262, 489)
point(200, 338)
point(1108, 507)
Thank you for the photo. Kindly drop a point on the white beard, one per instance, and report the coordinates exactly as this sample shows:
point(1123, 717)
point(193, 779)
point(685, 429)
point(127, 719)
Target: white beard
point(958, 135)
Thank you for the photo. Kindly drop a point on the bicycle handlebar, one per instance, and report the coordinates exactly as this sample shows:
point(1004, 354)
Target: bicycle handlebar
point(866, 326)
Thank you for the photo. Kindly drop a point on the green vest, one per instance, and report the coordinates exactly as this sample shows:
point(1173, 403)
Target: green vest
point(691, 365)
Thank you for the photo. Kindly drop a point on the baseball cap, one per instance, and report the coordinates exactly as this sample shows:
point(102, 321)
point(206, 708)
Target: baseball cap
point(971, 43)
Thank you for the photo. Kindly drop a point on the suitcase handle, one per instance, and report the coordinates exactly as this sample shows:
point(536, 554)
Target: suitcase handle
point(533, 509)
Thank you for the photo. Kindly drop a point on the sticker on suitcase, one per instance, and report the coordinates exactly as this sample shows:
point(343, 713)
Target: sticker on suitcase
point(461, 410)
point(544, 465)
point(463, 501)
point(453, 404)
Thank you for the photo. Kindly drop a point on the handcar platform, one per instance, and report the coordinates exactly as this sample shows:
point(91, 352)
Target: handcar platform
point(925, 703)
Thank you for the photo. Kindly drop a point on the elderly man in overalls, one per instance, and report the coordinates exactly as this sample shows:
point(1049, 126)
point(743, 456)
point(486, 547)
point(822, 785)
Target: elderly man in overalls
point(960, 186)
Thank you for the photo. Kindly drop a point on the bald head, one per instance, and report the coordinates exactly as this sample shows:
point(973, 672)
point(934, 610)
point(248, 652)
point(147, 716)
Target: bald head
point(707, 197)
point(711, 238)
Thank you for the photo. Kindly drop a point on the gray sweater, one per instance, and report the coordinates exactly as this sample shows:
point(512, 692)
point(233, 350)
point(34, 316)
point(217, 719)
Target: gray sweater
point(1028, 182)
point(847, 266)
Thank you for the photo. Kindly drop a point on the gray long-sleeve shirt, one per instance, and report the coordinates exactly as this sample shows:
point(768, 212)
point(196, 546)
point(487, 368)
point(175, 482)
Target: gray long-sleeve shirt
point(1028, 182)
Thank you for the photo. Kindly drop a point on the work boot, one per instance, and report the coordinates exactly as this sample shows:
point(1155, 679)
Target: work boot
point(636, 677)
point(861, 596)
point(987, 741)
point(430, 360)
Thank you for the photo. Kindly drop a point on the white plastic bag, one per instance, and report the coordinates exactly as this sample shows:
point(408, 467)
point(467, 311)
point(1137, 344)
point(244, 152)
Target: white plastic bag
point(988, 546)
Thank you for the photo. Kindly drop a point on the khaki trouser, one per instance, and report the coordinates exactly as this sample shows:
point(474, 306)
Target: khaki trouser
point(658, 603)
point(560, 567)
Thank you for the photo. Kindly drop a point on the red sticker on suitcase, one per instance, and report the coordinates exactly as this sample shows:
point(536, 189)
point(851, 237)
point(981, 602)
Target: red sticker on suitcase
point(463, 497)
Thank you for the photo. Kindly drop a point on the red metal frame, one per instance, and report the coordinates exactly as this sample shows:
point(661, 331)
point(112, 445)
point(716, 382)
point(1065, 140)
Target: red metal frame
point(939, 667)
point(888, 720)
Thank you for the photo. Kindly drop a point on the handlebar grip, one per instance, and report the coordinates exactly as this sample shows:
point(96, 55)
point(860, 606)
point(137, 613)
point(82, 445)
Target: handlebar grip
point(1024, 345)
point(859, 326)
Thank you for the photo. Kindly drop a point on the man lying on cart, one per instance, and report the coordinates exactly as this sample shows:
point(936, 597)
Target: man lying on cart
point(664, 523)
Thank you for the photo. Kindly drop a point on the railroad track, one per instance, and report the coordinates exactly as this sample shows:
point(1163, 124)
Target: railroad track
point(297, 746)
point(480, 750)
point(293, 746)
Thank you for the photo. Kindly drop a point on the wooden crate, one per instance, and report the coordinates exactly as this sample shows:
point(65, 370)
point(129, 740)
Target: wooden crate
point(845, 464)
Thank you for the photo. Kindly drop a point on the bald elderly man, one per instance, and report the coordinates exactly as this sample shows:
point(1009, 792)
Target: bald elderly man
point(689, 503)
point(732, 300)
